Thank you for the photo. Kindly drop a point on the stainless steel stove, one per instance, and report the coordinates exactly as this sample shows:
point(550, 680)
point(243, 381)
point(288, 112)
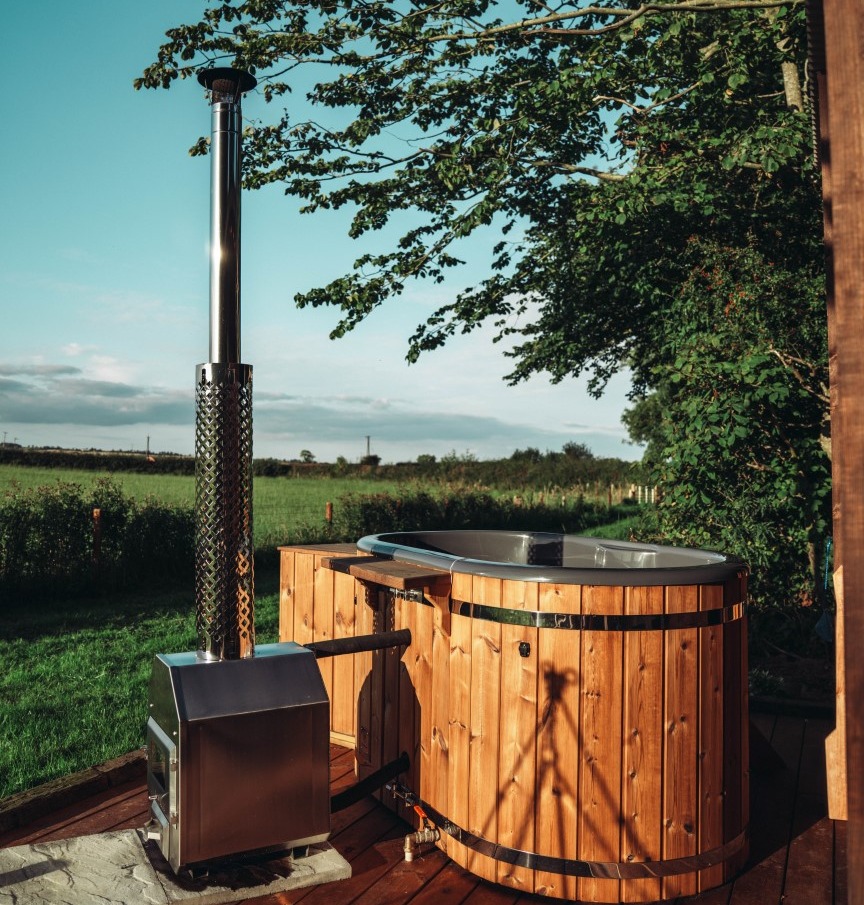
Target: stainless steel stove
point(237, 737)
point(238, 754)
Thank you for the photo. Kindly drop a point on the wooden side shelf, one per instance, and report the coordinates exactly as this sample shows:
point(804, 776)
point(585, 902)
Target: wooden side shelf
point(401, 576)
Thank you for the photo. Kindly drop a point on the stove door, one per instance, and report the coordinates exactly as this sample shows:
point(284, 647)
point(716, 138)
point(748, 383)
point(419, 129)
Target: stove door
point(162, 781)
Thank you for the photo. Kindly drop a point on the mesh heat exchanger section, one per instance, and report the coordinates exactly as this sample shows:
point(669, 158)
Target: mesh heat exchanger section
point(224, 562)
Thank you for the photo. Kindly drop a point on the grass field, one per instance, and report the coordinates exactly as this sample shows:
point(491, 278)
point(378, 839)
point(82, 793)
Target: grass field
point(279, 505)
point(73, 687)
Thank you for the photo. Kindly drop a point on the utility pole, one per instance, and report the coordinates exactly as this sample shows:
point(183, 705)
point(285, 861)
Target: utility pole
point(368, 438)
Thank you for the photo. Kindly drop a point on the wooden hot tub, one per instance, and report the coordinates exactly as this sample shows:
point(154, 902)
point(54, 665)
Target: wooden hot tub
point(575, 710)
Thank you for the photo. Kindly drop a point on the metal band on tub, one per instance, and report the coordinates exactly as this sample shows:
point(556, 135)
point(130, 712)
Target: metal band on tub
point(593, 622)
point(571, 867)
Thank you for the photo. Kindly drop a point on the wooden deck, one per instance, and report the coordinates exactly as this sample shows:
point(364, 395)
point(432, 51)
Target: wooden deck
point(798, 855)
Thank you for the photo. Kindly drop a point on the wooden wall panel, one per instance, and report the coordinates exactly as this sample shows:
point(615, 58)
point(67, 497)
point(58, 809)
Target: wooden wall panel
point(436, 786)
point(391, 660)
point(369, 685)
point(558, 740)
point(844, 53)
point(406, 617)
point(322, 620)
point(343, 701)
point(304, 597)
point(710, 752)
point(286, 595)
point(486, 715)
point(681, 704)
point(459, 715)
point(420, 654)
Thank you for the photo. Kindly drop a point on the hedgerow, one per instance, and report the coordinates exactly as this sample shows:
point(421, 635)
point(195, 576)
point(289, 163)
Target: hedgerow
point(361, 514)
point(50, 540)
point(50, 544)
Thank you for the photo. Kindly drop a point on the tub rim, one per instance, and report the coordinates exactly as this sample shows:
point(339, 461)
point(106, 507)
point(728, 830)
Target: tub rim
point(717, 570)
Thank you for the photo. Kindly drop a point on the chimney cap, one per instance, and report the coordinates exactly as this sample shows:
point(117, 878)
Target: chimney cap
point(225, 80)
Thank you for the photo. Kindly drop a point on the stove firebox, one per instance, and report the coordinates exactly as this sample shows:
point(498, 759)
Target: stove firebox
point(237, 754)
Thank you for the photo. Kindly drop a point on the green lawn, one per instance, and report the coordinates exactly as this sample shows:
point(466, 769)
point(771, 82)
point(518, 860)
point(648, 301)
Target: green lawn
point(73, 688)
point(170, 488)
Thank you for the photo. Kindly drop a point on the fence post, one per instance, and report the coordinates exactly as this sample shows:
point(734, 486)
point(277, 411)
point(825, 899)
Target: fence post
point(97, 540)
point(328, 513)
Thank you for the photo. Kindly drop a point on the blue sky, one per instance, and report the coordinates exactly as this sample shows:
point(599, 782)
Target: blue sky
point(104, 280)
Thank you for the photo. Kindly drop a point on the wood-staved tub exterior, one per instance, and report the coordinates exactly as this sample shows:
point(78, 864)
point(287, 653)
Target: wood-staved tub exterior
point(602, 759)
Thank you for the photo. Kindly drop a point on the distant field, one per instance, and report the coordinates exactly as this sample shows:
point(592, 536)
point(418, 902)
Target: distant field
point(279, 504)
point(170, 488)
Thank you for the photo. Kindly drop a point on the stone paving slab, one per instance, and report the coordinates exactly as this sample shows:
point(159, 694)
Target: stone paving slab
point(120, 867)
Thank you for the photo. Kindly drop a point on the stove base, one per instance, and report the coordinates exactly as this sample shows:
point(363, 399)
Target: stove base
point(116, 868)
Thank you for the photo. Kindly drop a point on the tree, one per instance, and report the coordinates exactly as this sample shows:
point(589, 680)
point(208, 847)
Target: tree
point(737, 430)
point(576, 451)
point(530, 454)
point(573, 134)
point(306, 456)
point(611, 152)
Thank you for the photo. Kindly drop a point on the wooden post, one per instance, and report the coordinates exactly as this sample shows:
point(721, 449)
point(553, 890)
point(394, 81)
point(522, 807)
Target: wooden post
point(328, 513)
point(835, 743)
point(844, 67)
point(97, 541)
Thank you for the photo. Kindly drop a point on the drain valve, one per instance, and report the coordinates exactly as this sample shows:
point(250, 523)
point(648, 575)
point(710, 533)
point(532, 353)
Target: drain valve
point(414, 840)
point(427, 832)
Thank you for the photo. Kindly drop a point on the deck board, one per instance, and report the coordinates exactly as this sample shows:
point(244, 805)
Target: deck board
point(798, 853)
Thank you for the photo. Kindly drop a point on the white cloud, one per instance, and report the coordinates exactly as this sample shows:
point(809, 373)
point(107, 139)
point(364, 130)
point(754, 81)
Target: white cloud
point(33, 398)
point(74, 350)
point(110, 369)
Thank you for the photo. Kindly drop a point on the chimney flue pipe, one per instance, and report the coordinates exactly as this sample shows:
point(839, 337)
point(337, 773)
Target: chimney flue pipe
point(224, 567)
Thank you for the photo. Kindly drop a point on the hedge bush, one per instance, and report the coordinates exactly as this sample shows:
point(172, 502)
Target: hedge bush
point(48, 540)
point(525, 469)
point(359, 514)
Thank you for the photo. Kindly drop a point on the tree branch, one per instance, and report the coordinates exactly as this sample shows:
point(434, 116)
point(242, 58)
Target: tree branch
point(603, 175)
point(643, 110)
point(789, 362)
point(539, 26)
